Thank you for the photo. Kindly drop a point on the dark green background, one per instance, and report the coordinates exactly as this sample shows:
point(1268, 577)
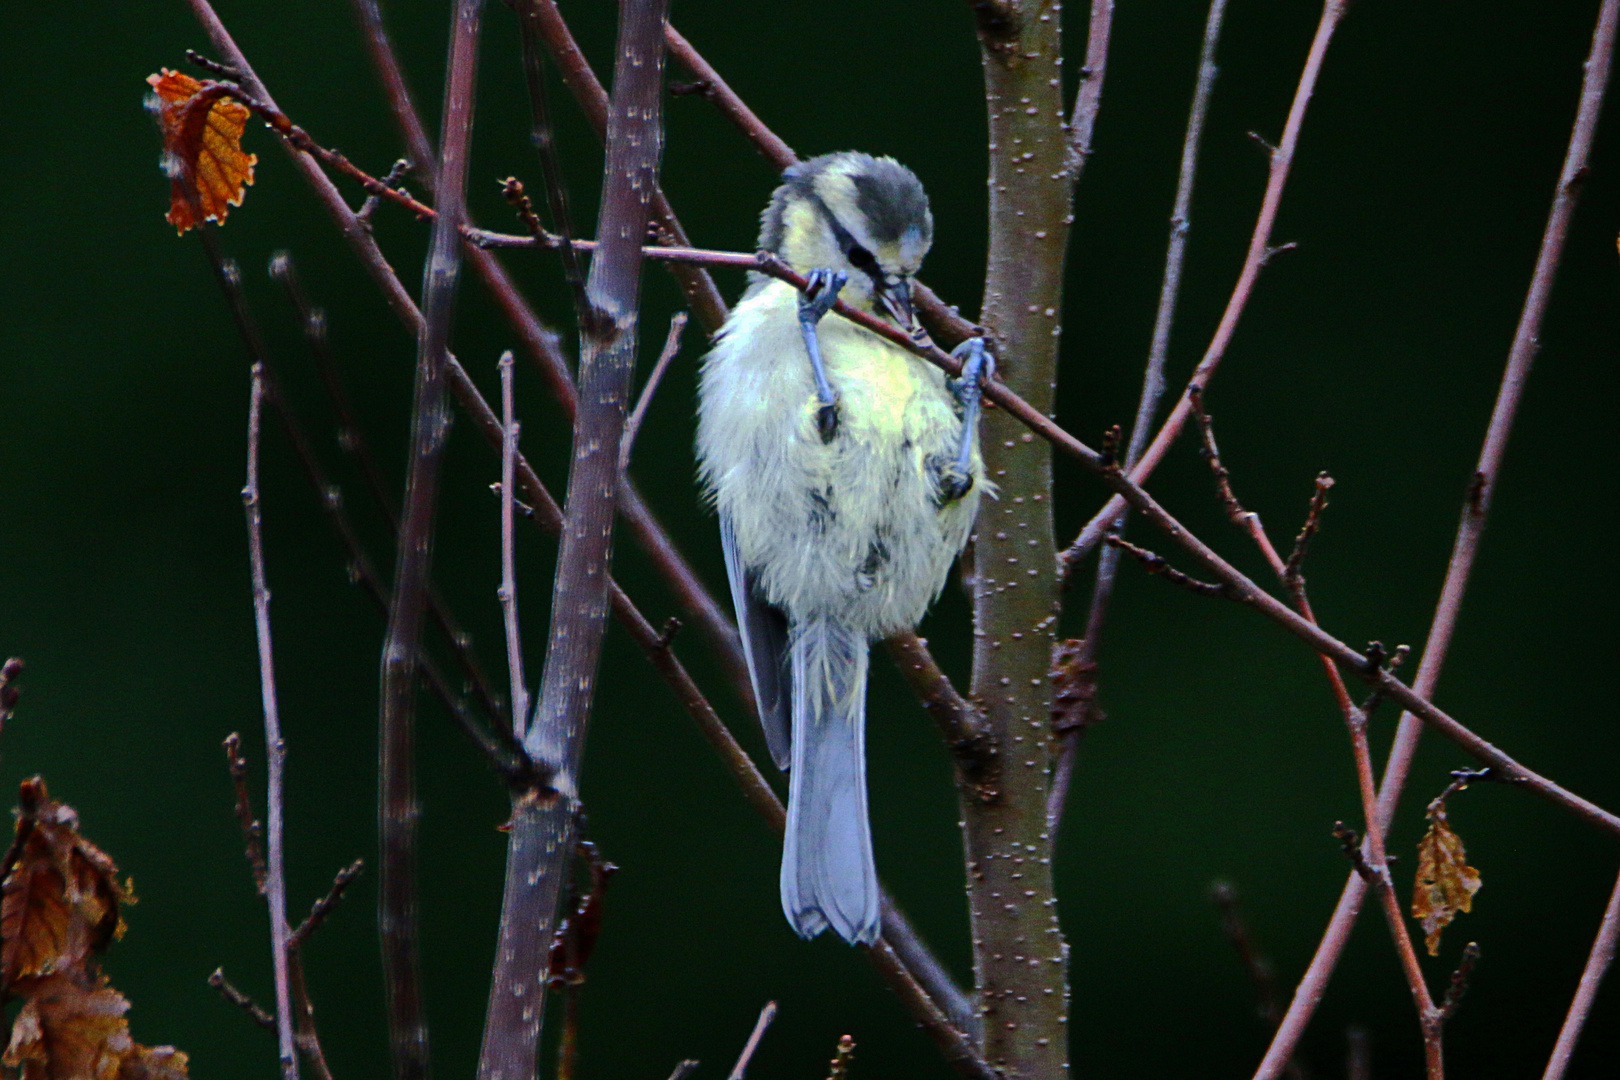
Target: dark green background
point(1373, 351)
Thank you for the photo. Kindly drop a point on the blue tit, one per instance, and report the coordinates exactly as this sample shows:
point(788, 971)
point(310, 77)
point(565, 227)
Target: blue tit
point(846, 475)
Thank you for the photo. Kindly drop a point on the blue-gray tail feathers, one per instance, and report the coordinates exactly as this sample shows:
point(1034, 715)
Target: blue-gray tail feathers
point(828, 877)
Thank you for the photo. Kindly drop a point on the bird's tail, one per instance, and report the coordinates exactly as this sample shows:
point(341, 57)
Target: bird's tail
point(828, 877)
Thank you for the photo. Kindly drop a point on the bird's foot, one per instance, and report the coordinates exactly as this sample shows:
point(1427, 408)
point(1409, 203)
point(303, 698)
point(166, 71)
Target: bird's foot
point(814, 303)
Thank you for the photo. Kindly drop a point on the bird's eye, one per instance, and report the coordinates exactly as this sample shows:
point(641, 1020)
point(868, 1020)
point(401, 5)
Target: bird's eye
point(863, 260)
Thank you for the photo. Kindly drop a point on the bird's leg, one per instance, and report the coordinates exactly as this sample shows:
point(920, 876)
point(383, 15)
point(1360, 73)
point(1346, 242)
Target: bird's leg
point(956, 479)
point(814, 303)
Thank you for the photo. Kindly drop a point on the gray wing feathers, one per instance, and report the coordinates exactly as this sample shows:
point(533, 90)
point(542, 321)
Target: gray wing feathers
point(765, 643)
point(828, 877)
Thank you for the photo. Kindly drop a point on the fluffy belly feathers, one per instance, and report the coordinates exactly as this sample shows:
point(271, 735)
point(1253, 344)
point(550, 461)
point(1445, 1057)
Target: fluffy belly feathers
point(851, 528)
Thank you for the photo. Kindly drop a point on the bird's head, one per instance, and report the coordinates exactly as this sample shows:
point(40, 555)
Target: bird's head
point(864, 215)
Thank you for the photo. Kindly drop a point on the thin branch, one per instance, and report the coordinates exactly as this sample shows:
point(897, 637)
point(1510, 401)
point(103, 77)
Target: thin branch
point(508, 590)
point(731, 106)
point(1260, 250)
point(323, 907)
point(672, 347)
point(684, 1069)
point(766, 1015)
point(1153, 382)
point(541, 134)
point(1155, 564)
point(1470, 528)
point(430, 421)
point(544, 825)
point(353, 442)
point(1597, 965)
point(1459, 981)
point(231, 994)
point(275, 890)
point(252, 829)
point(1088, 99)
point(962, 725)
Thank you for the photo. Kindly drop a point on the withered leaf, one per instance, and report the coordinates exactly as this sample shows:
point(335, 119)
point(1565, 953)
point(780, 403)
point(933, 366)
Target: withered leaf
point(60, 900)
point(67, 1030)
point(1074, 687)
point(1446, 884)
point(202, 145)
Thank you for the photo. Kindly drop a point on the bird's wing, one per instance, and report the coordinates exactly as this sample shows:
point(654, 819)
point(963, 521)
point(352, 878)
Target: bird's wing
point(764, 631)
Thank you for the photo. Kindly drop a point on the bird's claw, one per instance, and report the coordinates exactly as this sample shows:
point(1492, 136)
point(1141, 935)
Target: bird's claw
point(978, 367)
point(827, 420)
point(821, 293)
point(953, 483)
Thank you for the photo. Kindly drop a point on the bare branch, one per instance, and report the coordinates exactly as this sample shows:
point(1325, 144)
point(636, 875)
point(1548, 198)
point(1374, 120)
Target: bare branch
point(672, 347)
point(1470, 528)
point(1260, 249)
point(1088, 100)
point(766, 1015)
point(231, 994)
point(275, 882)
point(323, 907)
point(544, 824)
point(430, 421)
point(252, 829)
point(1153, 383)
point(508, 590)
point(1597, 965)
point(960, 722)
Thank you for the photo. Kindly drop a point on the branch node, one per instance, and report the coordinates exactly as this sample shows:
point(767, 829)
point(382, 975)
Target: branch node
point(1459, 981)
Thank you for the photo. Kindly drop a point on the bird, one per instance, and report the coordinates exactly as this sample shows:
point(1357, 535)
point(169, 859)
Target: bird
point(845, 472)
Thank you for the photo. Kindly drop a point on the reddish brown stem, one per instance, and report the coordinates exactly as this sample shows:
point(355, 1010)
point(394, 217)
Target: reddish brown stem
point(1469, 530)
point(1597, 965)
point(1260, 251)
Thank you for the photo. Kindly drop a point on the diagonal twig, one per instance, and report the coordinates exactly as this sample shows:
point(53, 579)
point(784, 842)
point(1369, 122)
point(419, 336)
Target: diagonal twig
point(766, 1015)
point(1153, 382)
point(1597, 965)
point(1469, 529)
point(1259, 252)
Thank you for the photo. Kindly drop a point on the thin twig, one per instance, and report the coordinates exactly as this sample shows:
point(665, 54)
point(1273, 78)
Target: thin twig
point(499, 746)
point(1088, 99)
point(766, 1015)
point(508, 590)
point(683, 1069)
point(252, 829)
point(1155, 564)
point(672, 347)
point(1153, 381)
point(275, 890)
point(1459, 981)
point(1597, 965)
point(541, 134)
point(1470, 528)
point(231, 994)
point(323, 907)
point(1260, 250)
point(960, 722)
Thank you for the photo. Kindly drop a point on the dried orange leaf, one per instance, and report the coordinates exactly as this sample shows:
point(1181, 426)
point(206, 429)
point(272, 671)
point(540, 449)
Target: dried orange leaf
point(67, 1030)
point(1446, 884)
point(202, 147)
point(60, 901)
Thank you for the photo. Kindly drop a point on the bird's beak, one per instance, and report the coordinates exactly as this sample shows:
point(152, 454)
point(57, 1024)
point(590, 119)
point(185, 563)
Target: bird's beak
point(895, 298)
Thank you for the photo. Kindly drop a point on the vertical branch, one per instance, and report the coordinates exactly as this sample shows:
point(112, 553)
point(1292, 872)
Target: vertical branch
point(544, 821)
point(1020, 960)
point(1597, 965)
point(508, 593)
point(275, 891)
point(1470, 528)
point(430, 424)
point(1147, 406)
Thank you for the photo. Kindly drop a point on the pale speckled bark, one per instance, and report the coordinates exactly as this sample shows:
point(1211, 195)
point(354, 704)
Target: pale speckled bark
point(1019, 955)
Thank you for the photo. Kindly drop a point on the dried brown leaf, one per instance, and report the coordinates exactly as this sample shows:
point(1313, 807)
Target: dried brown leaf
point(1446, 884)
point(209, 172)
point(68, 1030)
